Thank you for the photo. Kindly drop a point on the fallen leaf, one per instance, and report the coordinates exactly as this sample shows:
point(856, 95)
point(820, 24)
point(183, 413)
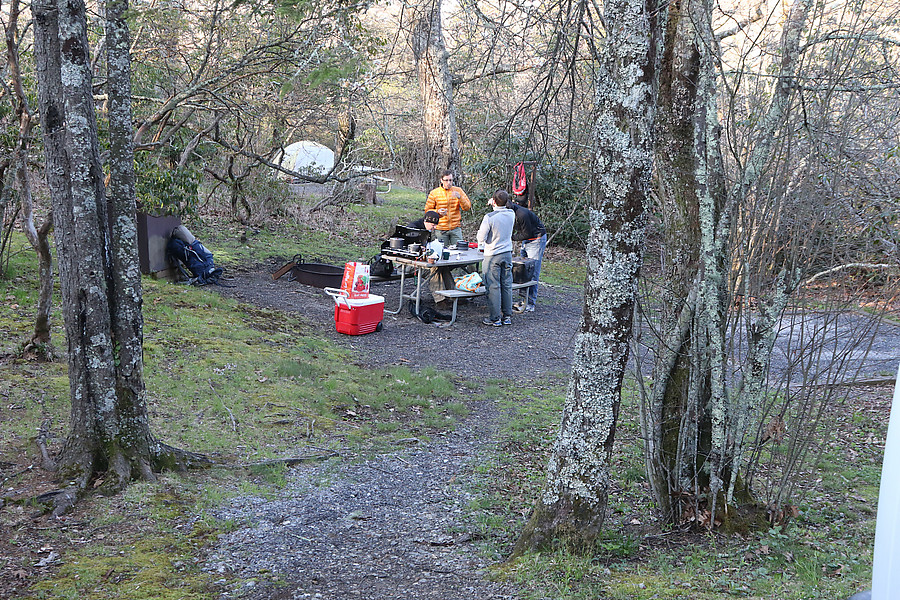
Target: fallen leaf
point(775, 430)
point(48, 560)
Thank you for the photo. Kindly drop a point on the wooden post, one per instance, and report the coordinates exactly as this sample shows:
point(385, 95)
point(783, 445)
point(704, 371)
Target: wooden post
point(369, 196)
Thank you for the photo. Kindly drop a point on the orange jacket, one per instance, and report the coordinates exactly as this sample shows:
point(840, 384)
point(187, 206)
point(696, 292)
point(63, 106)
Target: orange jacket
point(454, 200)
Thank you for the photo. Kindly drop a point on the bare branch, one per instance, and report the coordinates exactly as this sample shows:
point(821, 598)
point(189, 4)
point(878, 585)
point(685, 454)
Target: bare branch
point(852, 266)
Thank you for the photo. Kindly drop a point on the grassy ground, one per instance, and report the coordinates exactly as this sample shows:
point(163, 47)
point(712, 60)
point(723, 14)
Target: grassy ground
point(824, 553)
point(244, 385)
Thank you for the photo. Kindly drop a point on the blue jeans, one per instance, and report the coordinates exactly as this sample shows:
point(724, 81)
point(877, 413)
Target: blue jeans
point(498, 281)
point(535, 250)
point(449, 237)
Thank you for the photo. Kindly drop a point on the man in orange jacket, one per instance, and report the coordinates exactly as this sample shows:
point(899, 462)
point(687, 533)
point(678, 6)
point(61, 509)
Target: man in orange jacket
point(449, 201)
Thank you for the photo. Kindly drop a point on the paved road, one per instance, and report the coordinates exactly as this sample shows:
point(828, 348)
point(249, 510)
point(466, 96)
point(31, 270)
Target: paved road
point(824, 347)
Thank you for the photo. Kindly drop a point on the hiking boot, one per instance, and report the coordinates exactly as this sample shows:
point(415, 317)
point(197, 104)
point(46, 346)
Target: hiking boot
point(497, 323)
point(529, 308)
point(519, 307)
point(507, 320)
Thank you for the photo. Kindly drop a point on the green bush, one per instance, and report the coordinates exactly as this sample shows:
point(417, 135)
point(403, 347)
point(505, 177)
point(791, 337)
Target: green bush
point(166, 190)
point(563, 199)
point(561, 192)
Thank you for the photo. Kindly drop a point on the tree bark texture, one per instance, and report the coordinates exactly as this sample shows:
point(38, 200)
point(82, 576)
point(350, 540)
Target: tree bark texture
point(97, 254)
point(572, 507)
point(126, 293)
point(436, 88)
point(693, 423)
point(670, 419)
point(39, 344)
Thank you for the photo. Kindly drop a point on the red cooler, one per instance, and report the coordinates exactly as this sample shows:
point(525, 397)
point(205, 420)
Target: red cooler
point(356, 316)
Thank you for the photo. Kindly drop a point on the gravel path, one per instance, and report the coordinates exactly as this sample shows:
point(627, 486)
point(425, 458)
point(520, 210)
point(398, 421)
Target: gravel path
point(390, 527)
point(394, 526)
point(536, 344)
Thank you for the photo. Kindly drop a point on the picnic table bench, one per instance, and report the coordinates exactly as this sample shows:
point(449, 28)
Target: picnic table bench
point(455, 295)
point(382, 182)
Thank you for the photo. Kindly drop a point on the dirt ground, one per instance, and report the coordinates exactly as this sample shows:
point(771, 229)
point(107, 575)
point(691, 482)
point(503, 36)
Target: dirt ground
point(394, 526)
point(535, 344)
point(390, 527)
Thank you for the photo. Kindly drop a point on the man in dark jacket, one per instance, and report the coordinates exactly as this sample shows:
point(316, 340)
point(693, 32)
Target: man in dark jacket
point(428, 222)
point(529, 230)
point(438, 278)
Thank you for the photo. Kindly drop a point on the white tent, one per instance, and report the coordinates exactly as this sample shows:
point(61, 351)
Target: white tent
point(309, 158)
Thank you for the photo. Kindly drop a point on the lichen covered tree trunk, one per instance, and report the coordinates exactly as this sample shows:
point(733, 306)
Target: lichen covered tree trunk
point(572, 506)
point(696, 416)
point(688, 374)
point(98, 267)
point(38, 235)
point(669, 416)
point(436, 88)
point(125, 293)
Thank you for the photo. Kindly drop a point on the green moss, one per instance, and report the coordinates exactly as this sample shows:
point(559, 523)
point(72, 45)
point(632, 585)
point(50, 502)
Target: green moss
point(155, 561)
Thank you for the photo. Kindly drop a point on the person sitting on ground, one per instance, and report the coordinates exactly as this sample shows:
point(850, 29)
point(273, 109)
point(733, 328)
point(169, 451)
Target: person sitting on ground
point(496, 235)
point(529, 230)
point(449, 201)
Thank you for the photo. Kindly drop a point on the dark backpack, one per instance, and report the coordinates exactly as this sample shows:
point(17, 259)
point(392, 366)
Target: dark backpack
point(427, 314)
point(380, 267)
point(197, 259)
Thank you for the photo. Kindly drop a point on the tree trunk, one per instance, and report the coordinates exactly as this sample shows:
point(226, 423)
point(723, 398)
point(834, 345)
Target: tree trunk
point(693, 427)
point(436, 87)
point(99, 275)
point(668, 434)
point(572, 506)
point(125, 293)
point(40, 343)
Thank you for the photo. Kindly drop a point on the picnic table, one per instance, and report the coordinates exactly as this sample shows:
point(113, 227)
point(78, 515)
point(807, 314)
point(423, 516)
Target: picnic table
point(457, 258)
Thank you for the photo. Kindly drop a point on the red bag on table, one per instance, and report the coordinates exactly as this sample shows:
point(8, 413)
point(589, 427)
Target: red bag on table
point(356, 280)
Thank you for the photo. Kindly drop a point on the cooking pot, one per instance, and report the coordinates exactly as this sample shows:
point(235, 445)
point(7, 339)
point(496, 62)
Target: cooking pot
point(415, 248)
point(462, 245)
point(397, 243)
